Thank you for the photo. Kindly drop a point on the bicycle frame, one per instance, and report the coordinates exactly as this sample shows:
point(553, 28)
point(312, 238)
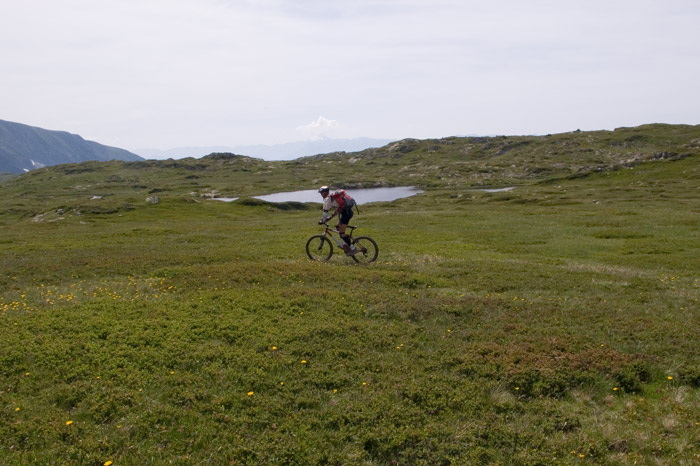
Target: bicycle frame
point(338, 241)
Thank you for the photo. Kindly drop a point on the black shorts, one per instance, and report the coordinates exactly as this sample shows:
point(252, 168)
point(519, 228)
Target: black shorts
point(345, 215)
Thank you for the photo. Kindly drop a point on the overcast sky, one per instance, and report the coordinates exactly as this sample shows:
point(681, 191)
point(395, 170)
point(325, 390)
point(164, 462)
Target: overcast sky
point(168, 73)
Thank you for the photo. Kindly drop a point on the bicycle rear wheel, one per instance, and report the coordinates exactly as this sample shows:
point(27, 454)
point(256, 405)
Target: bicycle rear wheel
point(319, 248)
point(367, 249)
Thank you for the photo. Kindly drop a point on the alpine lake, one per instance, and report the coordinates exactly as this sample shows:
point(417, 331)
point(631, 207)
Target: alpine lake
point(361, 196)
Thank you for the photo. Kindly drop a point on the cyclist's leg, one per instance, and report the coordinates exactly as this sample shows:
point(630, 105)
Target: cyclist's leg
point(345, 216)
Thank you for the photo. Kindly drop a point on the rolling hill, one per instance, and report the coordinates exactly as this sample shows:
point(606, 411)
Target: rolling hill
point(455, 165)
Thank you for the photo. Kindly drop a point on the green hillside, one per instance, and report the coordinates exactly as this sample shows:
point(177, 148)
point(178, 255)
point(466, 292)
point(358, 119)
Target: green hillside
point(556, 323)
point(6, 177)
point(451, 164)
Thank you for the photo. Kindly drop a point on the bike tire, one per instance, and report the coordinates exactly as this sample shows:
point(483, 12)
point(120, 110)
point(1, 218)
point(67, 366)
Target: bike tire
point(368, 250)
point(319, 248)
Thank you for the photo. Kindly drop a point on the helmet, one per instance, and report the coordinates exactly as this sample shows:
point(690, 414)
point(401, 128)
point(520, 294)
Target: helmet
point(323, 189)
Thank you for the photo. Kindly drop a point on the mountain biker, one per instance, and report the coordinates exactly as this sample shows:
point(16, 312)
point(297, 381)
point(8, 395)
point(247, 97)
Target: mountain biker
point(344, 209)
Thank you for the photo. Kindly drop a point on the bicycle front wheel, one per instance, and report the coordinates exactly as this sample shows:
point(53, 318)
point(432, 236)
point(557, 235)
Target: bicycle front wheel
point(367, 249)
point(319, 248)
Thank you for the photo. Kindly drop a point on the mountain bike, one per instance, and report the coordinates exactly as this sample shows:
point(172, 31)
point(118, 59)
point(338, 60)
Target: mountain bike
point(320, 247)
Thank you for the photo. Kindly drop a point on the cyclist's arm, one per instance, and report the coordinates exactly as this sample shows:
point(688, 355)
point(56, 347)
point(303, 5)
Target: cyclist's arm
point(326, 207)
point(326, 217)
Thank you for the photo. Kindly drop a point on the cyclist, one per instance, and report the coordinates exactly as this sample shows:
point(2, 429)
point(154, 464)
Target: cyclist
point(344, 209)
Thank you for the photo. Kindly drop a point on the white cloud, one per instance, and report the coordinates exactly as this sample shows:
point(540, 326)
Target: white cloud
point(319, 129)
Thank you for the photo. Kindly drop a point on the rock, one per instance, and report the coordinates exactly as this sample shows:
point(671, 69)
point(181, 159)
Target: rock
point(153, 199)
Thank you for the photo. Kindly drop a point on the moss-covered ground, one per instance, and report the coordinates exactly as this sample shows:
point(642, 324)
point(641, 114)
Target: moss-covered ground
point(557, 323)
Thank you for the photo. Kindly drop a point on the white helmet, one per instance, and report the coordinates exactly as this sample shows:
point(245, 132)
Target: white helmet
point(323, 189)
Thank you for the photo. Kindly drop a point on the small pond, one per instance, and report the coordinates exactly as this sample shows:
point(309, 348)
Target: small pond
point(362, 196)
point(498, 190)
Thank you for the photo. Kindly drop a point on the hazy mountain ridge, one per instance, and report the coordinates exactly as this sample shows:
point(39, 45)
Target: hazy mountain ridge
point(287, 151)
point(24, 148)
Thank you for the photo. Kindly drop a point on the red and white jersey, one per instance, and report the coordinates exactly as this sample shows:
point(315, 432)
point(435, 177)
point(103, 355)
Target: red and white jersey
point(330, 203)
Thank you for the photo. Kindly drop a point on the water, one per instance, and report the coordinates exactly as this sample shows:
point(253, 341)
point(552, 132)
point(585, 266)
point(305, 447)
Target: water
point(498, 190)
point(362, 196)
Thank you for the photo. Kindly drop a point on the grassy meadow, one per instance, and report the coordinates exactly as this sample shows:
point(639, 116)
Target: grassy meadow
point(557, 323)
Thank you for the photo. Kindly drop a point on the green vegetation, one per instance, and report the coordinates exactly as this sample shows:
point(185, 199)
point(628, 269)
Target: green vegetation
point(6, 177)
point(556, 323)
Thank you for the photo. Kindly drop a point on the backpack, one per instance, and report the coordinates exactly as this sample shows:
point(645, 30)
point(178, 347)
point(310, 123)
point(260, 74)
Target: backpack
point(344, 200)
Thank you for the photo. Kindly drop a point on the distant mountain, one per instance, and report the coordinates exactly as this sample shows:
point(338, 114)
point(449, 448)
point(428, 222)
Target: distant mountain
point(24, 148)
point(288, 151)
